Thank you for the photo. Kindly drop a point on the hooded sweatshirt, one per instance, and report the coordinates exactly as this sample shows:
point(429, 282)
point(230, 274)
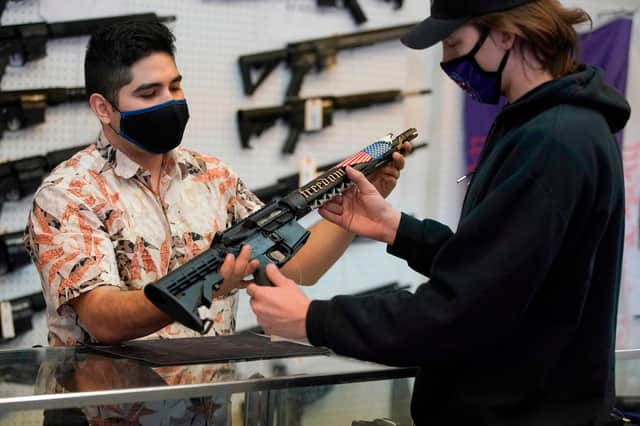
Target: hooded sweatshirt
point(516, 325)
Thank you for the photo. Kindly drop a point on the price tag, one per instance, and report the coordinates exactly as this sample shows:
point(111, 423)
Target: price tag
point(313, 115)
point(6, 320)
point(308, 170)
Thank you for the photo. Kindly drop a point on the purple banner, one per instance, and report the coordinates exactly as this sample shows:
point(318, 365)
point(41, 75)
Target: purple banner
point(606, 47)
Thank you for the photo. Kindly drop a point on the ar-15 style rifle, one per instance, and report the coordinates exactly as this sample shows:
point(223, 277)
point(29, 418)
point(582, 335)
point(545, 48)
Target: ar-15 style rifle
point(272, 232)
point(309, 114)
point(354, 8)
point(22, 43)
point(301, 57)
point(25, 108)
point(22, 177)
point(288, 183)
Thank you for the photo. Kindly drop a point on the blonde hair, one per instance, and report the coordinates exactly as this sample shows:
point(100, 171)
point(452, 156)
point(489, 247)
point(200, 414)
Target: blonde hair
point(545, 28)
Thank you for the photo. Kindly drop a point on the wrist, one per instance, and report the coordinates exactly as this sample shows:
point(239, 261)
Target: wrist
point(390, 229)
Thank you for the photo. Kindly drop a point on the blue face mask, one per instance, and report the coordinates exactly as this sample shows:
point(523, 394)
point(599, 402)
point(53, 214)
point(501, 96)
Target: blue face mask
point(481, 85)
point(157, 129)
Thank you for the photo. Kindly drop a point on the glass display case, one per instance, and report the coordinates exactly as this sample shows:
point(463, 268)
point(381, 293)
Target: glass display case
point(75, 386)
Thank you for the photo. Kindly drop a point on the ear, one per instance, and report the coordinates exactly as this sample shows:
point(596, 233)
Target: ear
point(505, 40)
point(102, 108)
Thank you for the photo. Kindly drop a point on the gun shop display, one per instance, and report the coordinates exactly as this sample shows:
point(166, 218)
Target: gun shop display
point(302, 57)
point(288, 183)
point(354, 8)
point(272, 232)
point(306, 115)
point(22, 43)
point(22, 177)
point(26, 108)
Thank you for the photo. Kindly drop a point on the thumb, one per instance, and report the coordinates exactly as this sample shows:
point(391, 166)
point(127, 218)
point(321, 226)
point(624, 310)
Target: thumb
point(275, 276)
point(360, 180)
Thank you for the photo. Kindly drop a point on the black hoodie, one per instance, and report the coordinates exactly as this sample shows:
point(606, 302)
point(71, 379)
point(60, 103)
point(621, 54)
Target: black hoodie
point(517, 323)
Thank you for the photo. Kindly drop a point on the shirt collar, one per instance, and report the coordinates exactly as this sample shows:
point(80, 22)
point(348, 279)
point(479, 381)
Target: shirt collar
point(125, 167)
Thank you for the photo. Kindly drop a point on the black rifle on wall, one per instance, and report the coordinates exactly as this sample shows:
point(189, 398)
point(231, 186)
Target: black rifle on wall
point(273, 232)
point(301, 57)
point(26, 108)
point(19, 315)
point(22, 43)
point(288, 183)
point(305, 115)
point(22, 177)
point(354, 8)
point(12, 252)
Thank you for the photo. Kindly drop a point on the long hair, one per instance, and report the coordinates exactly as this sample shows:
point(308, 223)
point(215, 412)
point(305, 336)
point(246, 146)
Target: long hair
point(545, 28)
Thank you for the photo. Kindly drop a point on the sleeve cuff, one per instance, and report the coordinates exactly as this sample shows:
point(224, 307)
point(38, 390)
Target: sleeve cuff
point(315, 322)
point(408, 237)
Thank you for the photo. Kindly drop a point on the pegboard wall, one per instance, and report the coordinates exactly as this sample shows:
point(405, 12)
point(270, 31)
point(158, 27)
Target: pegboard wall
point(210, 35)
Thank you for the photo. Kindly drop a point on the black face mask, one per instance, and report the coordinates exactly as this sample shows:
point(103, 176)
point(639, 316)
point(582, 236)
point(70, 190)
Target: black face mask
point(157, 129)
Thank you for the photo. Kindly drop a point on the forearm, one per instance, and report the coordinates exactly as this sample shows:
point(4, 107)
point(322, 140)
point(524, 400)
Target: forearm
point(113, 316)
point(326, 244)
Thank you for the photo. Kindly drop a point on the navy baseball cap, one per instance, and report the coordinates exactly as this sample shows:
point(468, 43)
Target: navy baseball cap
point(449, 15)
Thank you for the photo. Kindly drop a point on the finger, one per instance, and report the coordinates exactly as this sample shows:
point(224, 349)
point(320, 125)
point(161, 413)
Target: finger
point(227, 266)
point(398, 161)
point(253, 290)
point(333, 208)
point(360, 180)
point(391, 171)
point(252, 267)
point(241, 264)
point(276, 277)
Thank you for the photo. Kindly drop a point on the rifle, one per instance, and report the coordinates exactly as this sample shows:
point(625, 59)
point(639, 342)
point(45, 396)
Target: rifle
point(19, 312)
point(25, 108)
point(272, 232)
point(309, 114)
point(353, 7)
point(12, 252)
point(21, 177)
point(288, 183)
point(303, 56)
point(27, 42)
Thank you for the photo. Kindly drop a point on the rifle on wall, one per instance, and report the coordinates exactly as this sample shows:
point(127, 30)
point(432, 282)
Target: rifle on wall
point(272, 232)
point(288, 183)
point(26, 108)
point(301, 57)
point(354, 8)
point(12, 252)
point(22, 177)
point(16, 315)
point(304, 115)
point(22, 43)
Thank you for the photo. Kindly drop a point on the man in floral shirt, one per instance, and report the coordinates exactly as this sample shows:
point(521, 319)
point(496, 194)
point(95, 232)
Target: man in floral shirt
point(125, 211)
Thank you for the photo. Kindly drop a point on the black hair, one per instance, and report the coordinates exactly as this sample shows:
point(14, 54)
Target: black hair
point(113, 49)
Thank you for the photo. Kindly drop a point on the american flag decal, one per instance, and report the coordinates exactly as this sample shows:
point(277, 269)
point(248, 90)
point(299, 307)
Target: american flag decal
point(373, 152)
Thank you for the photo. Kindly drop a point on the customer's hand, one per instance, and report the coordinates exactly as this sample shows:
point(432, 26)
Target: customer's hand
point(362, 210)
point(281, 310)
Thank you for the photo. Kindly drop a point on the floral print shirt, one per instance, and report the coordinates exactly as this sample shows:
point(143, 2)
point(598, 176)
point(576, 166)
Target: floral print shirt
point(96, 222)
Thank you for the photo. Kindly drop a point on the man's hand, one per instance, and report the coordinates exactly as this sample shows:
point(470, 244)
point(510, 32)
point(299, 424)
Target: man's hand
point(281, 310)
point(385, 179)
point(362, 210)
point(233, 271)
